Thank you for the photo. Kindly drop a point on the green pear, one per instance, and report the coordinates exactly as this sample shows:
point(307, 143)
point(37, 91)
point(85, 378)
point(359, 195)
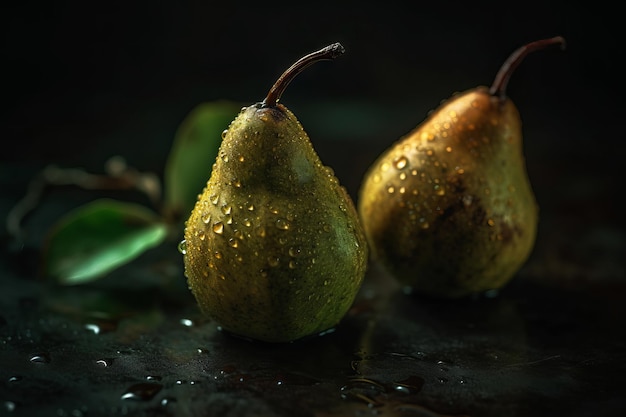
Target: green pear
point(448, 209)
point(274, 249)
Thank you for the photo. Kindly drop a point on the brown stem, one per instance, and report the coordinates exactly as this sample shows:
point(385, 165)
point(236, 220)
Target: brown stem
point(498, 88)
point(327, 53)
point(120, 177)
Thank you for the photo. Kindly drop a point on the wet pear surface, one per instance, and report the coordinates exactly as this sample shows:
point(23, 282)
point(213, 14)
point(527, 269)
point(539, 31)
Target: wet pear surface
point(449, 208)
point(273, 248)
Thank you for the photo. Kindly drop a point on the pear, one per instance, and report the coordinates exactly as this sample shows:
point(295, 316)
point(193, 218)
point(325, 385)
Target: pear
point(274, 250)
point(448, 209)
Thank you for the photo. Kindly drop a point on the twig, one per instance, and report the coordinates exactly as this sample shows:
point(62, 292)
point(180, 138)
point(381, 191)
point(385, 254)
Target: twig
point(534, 362)
point(119, 177)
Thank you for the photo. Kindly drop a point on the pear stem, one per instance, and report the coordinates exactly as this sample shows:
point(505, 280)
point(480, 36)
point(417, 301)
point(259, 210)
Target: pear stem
point(498, 88)
point(329, 52)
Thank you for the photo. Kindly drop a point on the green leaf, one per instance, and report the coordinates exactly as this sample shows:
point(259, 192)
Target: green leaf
point(193, 154)
point(100, 236)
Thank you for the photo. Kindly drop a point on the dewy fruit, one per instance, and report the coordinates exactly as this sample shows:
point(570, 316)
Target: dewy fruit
point(448, 209)
point(274, 250)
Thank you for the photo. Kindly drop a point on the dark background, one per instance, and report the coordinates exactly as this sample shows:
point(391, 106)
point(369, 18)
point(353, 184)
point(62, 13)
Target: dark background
point(84, 82)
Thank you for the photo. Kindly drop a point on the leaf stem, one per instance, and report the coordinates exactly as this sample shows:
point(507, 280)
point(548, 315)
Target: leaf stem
point(119, 177)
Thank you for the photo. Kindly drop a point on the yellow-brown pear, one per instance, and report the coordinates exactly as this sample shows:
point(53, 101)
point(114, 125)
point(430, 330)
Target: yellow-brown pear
point(274, 250)
point(449, 210)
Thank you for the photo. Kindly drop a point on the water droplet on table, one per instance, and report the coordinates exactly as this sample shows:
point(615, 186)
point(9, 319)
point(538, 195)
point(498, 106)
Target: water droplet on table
point(142, 391)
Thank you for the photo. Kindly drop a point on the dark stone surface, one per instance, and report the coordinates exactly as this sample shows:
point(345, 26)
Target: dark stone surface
point(533, 349)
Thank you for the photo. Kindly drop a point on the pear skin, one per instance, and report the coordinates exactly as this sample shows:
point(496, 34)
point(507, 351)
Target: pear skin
point(449, 210)
point(274, 248)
